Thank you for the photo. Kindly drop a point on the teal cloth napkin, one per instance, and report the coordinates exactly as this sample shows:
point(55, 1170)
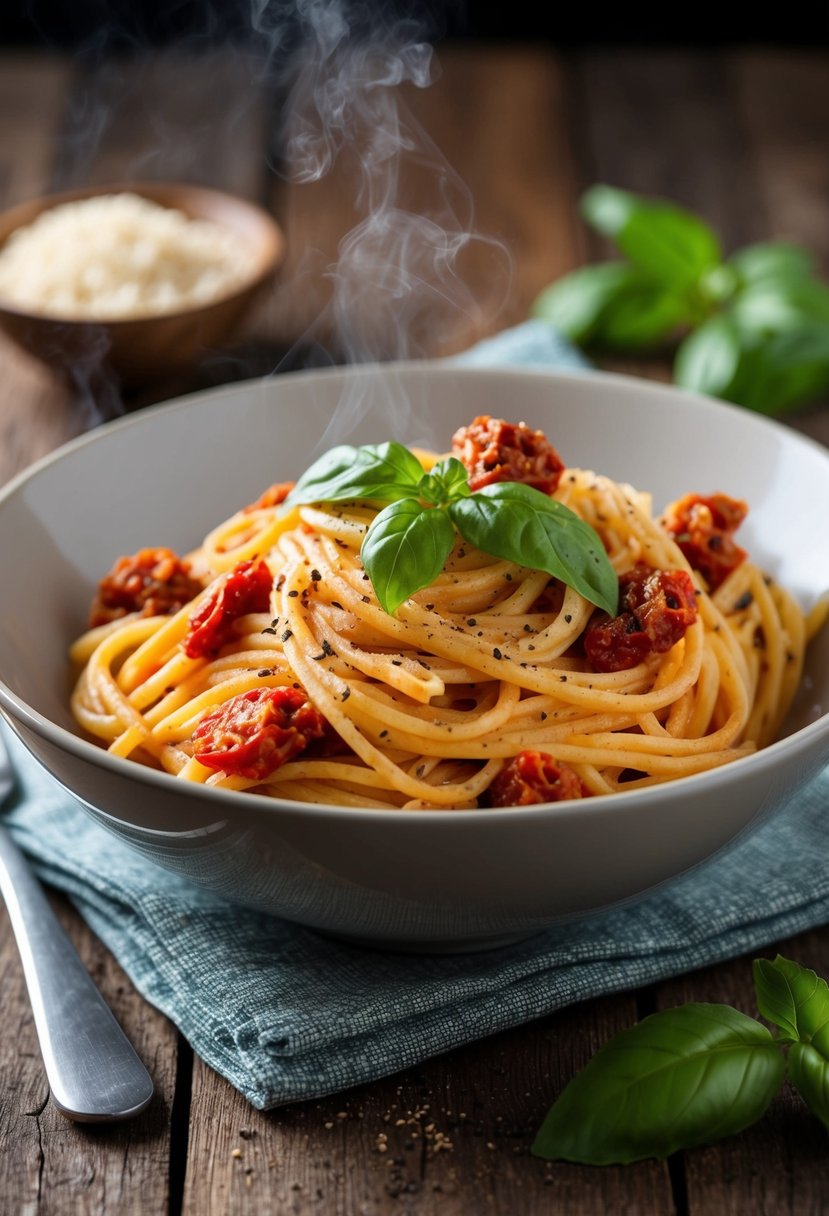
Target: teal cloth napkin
point(287, 1015)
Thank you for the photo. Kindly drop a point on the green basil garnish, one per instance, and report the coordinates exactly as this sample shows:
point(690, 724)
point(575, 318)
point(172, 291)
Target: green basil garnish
point(405, 549)
point(379, 472)
point(408, 543)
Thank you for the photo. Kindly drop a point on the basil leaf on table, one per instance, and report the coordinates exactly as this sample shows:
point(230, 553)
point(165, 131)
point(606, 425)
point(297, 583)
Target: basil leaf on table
point(771, 261)
point(708, 359)
point(755, 324)
point(680, 1078)
point(405, 549)
point(643, 315)
point(516, 522)
point(612, 304)
point(672, 245)
point(780, 372)
point(382, 472)
point(769, 307)
point(577, 303)
point(794, 998)
point(809, 1073)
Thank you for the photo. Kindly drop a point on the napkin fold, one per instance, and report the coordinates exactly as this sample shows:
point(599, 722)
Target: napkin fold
point(285, 1014)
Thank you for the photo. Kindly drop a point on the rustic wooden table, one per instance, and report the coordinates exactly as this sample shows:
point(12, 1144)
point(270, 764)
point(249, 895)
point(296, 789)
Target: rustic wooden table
point(742, 136)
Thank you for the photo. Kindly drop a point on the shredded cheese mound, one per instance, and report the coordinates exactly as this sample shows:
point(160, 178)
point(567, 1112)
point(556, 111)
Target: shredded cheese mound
point(118, 256)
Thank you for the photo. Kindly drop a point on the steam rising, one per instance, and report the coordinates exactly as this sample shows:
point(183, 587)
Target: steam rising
point(341, 71)
point(397, 286)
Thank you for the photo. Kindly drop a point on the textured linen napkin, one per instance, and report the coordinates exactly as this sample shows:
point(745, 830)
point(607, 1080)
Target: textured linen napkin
point(287, 1015)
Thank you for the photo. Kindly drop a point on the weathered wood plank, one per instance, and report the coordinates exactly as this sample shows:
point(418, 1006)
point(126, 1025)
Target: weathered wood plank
point(33, 89)
point(49, 1164)
point(450, 1137)
point(784, 101)
point(666, 123)
point(171, 116)
point(35, 414)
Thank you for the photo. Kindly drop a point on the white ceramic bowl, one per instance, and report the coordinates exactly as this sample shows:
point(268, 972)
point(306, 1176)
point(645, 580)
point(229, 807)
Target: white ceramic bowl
point(435, 880)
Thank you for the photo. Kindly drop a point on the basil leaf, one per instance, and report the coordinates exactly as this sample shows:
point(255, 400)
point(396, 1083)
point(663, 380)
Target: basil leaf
point(576, 303)
point(707, 360)
point(809, 1073)
point(672, 245)
point(613, 305)
point(771, 260)
point(382, 472)
point(779, 373)
point(447, 480)
point(794, 998)
point(769, 307)
point(716, 286)
point(643, 315)
point(405, 548)
point(680, 1078)
point(516, 522)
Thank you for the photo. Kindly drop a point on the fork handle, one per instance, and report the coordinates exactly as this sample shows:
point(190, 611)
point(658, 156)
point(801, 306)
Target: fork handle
point(94, 1073)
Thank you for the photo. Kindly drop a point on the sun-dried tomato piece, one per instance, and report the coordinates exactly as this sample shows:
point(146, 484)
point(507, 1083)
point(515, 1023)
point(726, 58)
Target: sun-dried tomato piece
point(154, 582)
point(703, 527)
point(247, 588)
point(532, 777)
point(656, 608)
point(253, 734)
point(616, 643)
point(493, 450)
point(272, 497)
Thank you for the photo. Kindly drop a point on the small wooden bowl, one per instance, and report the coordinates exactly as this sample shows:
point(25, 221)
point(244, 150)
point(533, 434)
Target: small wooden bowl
point(148, 348)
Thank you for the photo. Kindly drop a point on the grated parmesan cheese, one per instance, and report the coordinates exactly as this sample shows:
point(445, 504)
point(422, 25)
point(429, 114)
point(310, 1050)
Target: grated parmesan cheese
point(118, 256)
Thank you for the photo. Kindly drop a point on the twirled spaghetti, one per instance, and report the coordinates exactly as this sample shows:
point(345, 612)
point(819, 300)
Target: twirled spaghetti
point(431, 706)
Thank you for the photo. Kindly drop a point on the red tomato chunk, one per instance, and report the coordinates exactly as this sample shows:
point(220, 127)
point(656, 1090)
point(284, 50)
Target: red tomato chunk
point(154, 582)
point(656, 608)
point(702, 528)
point(493, 450)
point(272, 497)
point(532, 777)
point(255, 733)
point(247, 588)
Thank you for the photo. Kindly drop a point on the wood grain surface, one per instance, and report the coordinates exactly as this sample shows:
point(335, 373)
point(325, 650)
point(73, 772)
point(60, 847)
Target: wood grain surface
point(513, 135)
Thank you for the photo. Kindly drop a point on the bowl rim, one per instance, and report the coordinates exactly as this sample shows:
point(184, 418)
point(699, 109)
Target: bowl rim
point(13, 707)
point(270, 252)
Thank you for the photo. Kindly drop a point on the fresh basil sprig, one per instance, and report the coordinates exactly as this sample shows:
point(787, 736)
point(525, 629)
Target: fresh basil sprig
point(695, 1074)
point(409, 540)
point(752, 327)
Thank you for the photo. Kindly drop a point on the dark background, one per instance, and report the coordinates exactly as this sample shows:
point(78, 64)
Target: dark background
point(112, 25)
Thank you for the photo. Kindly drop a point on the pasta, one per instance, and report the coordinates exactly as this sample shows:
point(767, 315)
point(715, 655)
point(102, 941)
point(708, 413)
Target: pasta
point(479, 690)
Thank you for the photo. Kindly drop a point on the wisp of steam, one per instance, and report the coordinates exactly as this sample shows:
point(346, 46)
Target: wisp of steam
point(397, 289)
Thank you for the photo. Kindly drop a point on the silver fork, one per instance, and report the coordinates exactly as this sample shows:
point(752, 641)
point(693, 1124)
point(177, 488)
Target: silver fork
point(93, 1071)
